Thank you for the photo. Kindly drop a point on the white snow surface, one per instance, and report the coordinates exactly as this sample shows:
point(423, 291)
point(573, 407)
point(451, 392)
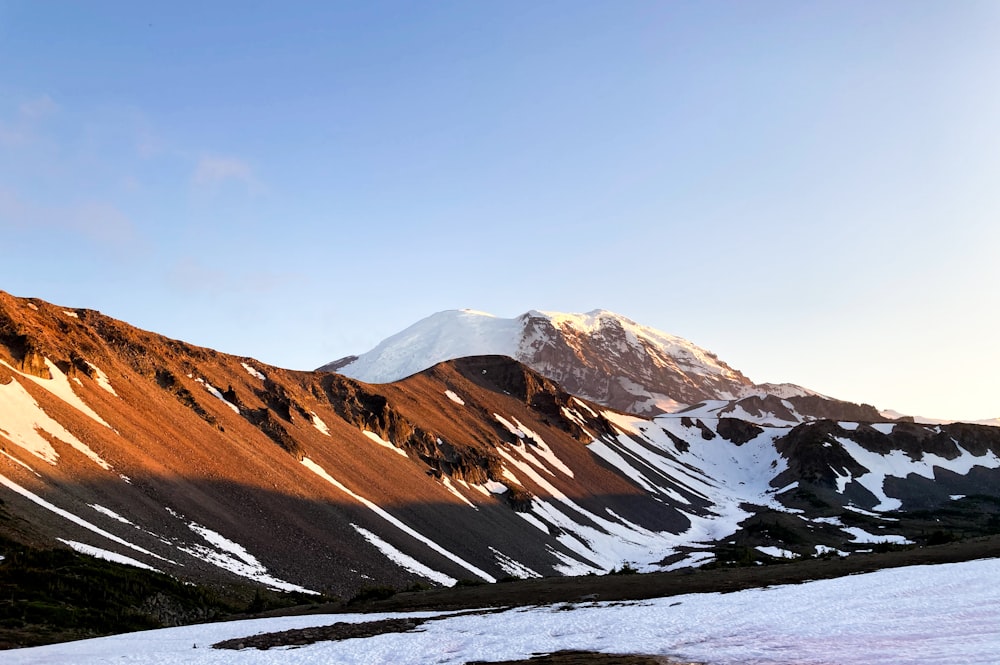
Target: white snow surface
point(21, 418)
point(99, 553)
point(59, 386)
point(450, 394)
point(233, 557)
point(389, 517)
point(319, 424)
point(254, 372)
point(922, 615)
point(218, 395)
point(102, 379)
point(443, 336)
point(462, 333)
point(382, 442)
point(76, 519)
point(404, 560)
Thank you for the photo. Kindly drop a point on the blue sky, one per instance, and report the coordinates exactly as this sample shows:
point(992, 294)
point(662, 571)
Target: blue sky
point(808, 189)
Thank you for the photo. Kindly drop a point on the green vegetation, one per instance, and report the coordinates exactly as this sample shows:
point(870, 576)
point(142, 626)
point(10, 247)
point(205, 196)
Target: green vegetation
point(372, 593)
point(55, 595)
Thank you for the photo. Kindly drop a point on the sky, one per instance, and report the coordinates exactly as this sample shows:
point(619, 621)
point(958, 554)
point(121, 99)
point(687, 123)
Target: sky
point(808, 190)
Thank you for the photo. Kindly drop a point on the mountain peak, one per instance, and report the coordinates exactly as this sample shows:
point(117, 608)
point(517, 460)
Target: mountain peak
point(600, 355)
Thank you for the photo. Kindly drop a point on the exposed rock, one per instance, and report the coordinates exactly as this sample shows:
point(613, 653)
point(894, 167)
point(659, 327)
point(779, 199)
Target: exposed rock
point(737, 431)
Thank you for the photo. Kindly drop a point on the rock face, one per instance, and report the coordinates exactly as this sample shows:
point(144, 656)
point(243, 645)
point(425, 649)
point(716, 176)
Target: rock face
point(616, 362)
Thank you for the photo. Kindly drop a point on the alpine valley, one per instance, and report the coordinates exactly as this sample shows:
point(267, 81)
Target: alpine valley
point(466, 449)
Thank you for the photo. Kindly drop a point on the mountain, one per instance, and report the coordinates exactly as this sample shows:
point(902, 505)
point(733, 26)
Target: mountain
point(223, 470)
point(601, 356)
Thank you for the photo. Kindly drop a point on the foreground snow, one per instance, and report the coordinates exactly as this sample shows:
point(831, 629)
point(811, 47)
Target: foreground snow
point(915, 616)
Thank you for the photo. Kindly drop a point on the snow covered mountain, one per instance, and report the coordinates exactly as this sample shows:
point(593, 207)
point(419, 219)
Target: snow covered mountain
point(601, 356)
point(214, 468)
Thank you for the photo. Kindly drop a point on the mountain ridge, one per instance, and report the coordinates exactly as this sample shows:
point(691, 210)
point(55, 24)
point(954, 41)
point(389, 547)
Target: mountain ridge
point(599, 355)
point(221, 469)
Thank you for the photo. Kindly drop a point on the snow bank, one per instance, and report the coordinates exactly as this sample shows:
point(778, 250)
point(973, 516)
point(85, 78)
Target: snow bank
point(923, 615)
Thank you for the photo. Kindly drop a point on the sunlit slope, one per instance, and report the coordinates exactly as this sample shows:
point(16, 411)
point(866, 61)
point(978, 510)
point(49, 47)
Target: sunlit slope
point(128, 445)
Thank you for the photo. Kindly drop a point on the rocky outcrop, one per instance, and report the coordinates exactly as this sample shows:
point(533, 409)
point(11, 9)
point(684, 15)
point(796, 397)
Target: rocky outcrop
point(737, 431)
point(614, 364)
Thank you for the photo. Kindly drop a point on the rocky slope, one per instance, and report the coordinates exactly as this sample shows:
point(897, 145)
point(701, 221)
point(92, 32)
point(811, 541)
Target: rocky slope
point(601, 356)
point(215, 468)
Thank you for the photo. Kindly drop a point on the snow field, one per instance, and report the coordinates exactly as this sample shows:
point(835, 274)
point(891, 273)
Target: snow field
point(899, 465)
point(23, 416)
point(922, 615)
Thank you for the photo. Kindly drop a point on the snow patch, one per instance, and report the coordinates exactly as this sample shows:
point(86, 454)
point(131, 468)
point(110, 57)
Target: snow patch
point(18, 462)
point(384, 514)
point(102, 379)
point(495, 487)
point(218, 395)
point(59, 386)
point(107, 555)
point(110, 513)
point(23, 418)
point(404, 561)
point(382, 442)
point(10, 484)
point(319, 424)
point(446, 481)
point(823, 549)
point(454, 398)
point(233, 557)
point(254, 372)
point(859, 535)
point(512, 567)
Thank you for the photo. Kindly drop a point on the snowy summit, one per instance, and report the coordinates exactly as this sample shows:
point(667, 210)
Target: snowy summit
point(599, 355)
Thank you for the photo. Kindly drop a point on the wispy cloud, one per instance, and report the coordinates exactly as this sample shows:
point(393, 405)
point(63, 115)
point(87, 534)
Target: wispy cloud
point(20, 129)
point(97, 221)
point(214, 170)
point(192, 275)
point(38, 107)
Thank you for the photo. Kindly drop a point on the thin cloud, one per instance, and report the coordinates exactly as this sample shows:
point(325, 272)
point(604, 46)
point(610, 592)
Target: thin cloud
point(213, 171)
point(97, 221)
point(38, 107)
point(20, 128)
point(191, 275)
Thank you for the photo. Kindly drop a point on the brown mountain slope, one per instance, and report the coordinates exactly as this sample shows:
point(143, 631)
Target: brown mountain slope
point(219, 469)
point(175, 460)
